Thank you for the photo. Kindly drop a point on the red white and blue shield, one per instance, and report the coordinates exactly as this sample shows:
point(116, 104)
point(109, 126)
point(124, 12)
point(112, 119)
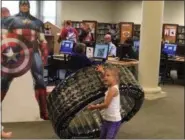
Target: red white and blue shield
point(15, 56)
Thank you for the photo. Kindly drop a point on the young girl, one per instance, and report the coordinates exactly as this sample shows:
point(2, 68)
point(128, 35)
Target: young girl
point(111, 104)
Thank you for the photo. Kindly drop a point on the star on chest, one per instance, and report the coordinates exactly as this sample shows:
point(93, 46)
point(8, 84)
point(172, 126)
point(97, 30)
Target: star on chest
point(26, 21)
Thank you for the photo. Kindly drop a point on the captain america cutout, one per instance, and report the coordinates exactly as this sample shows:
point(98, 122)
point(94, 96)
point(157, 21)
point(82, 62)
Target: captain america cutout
point(22, 39)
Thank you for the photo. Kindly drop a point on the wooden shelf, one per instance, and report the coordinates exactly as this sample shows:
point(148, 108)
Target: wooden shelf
point(76, 24)
point(103, 29)
point(137, 30)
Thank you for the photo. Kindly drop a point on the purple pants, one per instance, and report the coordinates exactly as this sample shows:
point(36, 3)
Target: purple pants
point(109, 129)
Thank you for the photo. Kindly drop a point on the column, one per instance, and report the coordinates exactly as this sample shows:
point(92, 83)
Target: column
point(150, 47)
point(59, 13)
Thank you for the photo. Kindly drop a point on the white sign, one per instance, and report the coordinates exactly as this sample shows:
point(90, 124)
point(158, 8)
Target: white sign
point(89, 52)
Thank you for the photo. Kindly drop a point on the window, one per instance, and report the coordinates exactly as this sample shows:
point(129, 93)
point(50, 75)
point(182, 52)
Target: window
point(33, 8)
point(44, 10)
point(49, 11)
point(13, 6)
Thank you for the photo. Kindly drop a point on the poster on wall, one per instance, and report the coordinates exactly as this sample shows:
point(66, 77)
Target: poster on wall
point(126, 31)
point(47, 29)
point(170, 33)
point(91, 27)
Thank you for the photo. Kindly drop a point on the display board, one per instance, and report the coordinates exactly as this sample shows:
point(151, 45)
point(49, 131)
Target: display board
point(170, 33)
point(126, 30)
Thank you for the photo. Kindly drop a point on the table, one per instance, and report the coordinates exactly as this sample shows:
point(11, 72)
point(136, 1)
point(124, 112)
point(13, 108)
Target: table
point(177, 64)
point(177, 59)
point(58, 56)
point(132, 65)
point(124, 63)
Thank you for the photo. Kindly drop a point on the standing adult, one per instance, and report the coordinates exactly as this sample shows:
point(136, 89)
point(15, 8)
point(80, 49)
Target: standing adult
point(68, 32)
point(83, 32)
point(86, 34)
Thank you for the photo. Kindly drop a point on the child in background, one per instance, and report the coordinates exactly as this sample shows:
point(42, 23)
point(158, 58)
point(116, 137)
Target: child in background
point(111, 104)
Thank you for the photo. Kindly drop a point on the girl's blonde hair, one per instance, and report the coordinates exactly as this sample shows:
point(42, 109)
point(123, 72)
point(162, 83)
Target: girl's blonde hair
point(116, 72)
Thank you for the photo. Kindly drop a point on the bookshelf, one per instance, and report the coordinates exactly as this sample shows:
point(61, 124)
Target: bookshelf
point(180, 35)
point(76, 24)
point(137, 28)
point(103, 29)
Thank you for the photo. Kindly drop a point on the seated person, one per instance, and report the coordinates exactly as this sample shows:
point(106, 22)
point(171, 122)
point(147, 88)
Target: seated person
point(78, 59)
point(112, 47)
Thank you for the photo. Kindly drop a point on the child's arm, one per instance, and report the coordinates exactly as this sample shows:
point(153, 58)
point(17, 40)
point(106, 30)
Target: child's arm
point(112, 93)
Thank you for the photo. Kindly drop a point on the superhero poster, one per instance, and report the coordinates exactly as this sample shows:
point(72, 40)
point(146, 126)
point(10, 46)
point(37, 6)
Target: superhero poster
point(126, 31)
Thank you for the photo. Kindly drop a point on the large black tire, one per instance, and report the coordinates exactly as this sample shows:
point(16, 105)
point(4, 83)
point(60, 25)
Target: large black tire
point(67, 102)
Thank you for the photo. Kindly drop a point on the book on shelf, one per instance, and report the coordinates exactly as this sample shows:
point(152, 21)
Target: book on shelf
point(180, 35)
point(76, 24)
point(103, 29)
point(137, 30)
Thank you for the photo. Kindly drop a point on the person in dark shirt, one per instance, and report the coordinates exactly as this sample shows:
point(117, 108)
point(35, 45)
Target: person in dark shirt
point(83, 33)
point(86, 36)
point(78, 59)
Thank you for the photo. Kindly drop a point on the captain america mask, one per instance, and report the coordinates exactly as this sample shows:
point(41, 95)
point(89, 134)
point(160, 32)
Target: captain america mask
point(24, 6)
point(24, 2)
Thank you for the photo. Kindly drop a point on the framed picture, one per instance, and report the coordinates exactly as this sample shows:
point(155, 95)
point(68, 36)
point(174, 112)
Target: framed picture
point(126, 30)
point(47, 29)
point(89, 52)
point(170, 33)
point(92, 26)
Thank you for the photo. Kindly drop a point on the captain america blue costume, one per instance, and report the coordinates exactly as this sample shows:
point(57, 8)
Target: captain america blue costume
point(22, 43)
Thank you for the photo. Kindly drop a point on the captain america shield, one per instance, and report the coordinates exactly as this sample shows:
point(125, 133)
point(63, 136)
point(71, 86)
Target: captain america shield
point(15, 56)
